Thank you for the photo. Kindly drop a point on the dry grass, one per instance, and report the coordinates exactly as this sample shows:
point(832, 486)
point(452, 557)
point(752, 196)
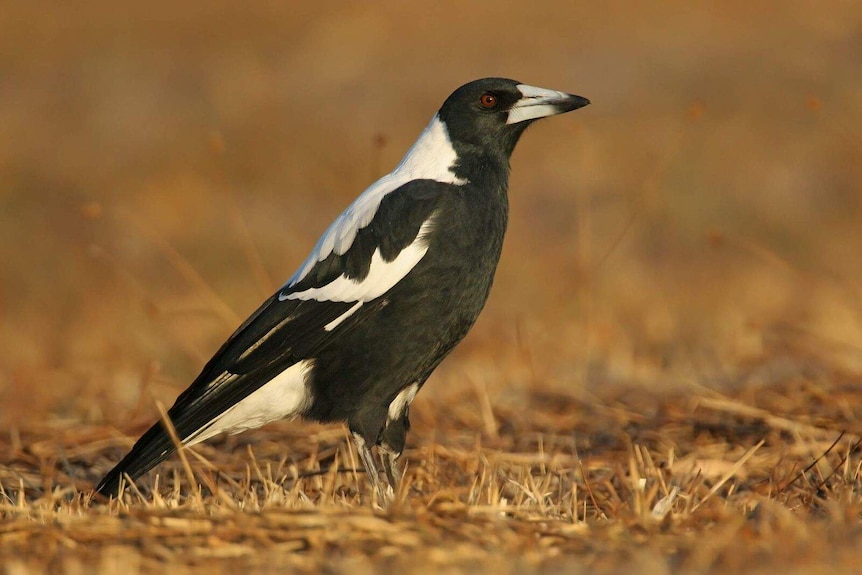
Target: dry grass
point(684, 482)
point(666, 378)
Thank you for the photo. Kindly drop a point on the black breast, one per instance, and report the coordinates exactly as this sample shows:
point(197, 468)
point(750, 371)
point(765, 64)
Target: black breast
point(420, 320)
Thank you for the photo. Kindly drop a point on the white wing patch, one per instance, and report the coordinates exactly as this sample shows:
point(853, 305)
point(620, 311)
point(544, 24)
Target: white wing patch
point(382, 276)
point(286, 395)
point(431, 157)
point(334, 323)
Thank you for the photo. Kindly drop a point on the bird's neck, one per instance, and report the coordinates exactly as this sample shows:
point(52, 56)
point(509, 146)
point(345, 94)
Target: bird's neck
point(432, 156)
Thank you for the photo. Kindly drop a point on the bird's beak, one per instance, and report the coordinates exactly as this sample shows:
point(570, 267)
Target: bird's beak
point(538, 103)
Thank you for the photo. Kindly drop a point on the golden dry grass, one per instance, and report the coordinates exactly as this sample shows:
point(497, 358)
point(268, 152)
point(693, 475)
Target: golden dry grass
point(685, 482)
point(666, 378)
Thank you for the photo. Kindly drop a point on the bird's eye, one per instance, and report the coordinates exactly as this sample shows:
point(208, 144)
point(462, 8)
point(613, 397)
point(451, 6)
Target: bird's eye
point(488, 100)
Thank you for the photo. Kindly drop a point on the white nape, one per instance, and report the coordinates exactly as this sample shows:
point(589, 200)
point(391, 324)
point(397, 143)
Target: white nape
point(432, 157)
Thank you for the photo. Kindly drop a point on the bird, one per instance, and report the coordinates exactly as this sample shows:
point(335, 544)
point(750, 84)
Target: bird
point(388, 291)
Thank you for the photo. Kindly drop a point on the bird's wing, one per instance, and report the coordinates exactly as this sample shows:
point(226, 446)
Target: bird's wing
point(335, 294)
point(308, 313)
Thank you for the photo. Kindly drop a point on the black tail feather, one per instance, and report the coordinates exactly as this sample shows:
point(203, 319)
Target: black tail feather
point(151, 449)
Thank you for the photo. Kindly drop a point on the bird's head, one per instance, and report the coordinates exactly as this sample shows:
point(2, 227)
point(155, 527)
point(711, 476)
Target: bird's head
point(489, 115)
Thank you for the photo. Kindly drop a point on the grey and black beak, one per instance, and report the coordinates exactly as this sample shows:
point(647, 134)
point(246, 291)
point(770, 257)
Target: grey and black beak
point(538, 103)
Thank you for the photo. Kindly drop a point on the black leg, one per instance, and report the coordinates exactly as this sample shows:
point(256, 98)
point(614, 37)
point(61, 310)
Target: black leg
point(391, 466)
point(391, 446)
point(370, 467)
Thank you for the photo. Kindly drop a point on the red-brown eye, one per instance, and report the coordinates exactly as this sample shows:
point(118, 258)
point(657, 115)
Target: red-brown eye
point(488, 100)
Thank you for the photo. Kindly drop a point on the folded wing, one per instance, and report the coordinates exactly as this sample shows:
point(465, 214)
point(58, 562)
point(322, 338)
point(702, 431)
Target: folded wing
point(278, 343)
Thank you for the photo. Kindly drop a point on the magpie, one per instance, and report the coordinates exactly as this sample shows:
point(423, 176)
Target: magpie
point(392, 286)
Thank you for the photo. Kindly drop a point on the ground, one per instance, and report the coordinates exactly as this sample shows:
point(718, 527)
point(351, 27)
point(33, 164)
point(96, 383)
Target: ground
point(667, 377)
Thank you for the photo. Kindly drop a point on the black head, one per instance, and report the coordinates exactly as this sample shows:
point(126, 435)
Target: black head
point(488, 116)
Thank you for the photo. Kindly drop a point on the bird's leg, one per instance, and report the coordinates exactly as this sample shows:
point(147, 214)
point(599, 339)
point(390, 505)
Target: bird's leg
point(370, 466)
point(391, 446)
point(389, 458)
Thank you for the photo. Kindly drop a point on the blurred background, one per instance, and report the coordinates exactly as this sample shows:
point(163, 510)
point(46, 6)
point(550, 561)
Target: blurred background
point(165, 166)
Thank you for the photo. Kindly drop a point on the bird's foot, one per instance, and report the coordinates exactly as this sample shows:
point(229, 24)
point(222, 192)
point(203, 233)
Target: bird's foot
point(389, 458)
point(385, 494)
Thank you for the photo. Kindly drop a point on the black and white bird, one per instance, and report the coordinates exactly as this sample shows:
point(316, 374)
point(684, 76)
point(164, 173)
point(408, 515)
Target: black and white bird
point(392, 286)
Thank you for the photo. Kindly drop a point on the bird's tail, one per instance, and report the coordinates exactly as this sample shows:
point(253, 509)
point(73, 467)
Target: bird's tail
point(151, 449)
